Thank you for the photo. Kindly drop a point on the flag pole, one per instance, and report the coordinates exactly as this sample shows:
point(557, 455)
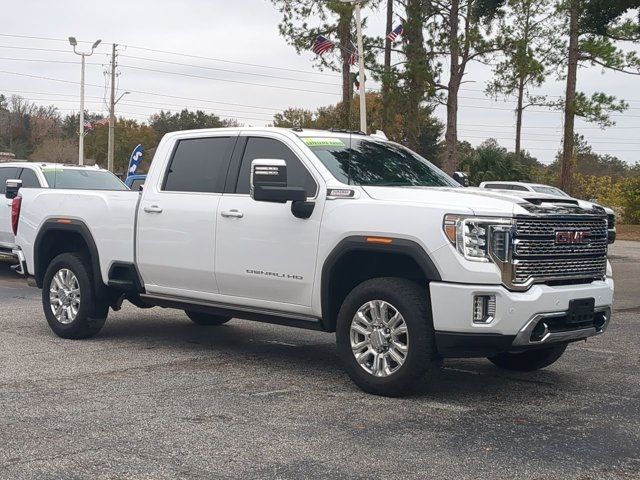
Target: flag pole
point(361, 80)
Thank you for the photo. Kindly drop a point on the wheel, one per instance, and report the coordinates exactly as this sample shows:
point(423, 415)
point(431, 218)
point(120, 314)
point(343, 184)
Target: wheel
point(206, 319)
point(69, 300)
point(385, 336)
point(529, 360)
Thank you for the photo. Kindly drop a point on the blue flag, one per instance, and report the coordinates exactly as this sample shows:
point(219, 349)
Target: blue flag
point(136, 158)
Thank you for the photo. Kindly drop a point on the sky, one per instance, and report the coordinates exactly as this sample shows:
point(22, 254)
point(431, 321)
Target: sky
point(248, 71)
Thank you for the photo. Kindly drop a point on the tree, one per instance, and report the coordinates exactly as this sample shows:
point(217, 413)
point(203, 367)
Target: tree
point(165, 122)
point(490, 161)
point(460, 31)
point(526, 41)
point(336, 18)
point(594, 28)
point(429, 128)
point(56, 150)
point(128, 134)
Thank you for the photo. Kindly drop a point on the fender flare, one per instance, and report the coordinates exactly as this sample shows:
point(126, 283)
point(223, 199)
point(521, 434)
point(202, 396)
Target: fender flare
point(72, 226)
point(359, 243)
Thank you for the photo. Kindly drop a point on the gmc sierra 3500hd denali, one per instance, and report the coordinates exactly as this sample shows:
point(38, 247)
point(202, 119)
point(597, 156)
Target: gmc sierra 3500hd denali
point(327, 230)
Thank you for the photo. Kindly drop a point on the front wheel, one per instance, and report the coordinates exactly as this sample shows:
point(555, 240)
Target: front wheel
point(68, 298)
point(529, 360)
point(385, 336)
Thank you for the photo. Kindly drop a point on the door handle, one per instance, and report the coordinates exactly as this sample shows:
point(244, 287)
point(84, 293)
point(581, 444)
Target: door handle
point(153, 209)
point(232, 214)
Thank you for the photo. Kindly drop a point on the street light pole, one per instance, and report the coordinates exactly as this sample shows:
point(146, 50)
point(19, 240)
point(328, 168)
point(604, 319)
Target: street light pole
point(74, 43)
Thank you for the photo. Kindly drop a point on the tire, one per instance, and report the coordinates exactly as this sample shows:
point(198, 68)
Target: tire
point(90, 313)
point(411, 301)
point(206, 319)
point(529, 360)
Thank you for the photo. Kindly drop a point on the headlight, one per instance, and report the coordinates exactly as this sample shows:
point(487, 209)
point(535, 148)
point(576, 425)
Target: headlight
point(479, 239)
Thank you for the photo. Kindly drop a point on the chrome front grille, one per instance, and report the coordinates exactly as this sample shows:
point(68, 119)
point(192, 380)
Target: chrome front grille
point(537, 257)
point(548, 227)
point(557, 269)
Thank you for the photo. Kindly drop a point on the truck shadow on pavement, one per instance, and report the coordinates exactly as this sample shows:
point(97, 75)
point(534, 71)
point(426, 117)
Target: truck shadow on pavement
point(310, 357)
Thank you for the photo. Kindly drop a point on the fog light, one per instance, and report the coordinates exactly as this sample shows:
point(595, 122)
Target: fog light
point(484, 308)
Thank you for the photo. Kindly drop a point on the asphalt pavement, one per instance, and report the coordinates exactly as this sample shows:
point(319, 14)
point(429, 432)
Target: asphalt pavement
point(155, 396)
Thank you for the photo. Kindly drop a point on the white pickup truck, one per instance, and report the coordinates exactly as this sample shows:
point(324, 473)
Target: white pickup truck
point(327, 230)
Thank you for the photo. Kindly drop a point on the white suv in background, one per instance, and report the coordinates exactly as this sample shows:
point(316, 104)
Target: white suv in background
point(47, 175)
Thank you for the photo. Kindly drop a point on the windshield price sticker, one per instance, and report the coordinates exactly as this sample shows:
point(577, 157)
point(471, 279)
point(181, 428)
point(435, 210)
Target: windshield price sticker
point(323, 142)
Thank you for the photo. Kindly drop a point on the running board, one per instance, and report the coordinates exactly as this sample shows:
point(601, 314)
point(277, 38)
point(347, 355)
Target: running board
point(247, 313)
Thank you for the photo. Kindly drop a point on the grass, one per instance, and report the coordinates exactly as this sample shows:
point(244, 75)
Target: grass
point(628, 232)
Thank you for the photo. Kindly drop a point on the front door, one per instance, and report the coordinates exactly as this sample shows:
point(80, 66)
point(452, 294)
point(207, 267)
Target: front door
point(264, 252)
point(177, 218)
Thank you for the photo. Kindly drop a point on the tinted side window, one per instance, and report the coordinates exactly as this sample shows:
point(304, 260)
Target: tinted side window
point(519, 188)
point(29, 179)
point(199, 165)
point(136, 184)
point(297, 174)
point(7, 173)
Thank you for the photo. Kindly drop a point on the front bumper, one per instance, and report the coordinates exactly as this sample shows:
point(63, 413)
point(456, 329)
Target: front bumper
point(517, 315)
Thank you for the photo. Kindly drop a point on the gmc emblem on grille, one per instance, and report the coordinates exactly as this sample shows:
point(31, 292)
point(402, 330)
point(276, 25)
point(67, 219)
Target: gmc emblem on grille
point(572, 237)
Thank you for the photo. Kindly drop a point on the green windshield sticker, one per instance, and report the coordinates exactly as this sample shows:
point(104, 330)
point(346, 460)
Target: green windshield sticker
point(323, 142)
point(51, 168)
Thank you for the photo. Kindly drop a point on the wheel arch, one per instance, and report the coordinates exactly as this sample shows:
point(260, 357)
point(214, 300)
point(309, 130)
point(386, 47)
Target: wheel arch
point(76, 236)
point(399, 257)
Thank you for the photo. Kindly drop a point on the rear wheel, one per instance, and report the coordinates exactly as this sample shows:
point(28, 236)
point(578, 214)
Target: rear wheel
point(68, 298)
point(529, 360)
point(385, 336)
point(206, 319)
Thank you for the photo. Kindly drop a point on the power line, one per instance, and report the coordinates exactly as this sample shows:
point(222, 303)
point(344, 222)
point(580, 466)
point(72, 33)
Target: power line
point(229, 61)
point(229, 71)
point(280, 87)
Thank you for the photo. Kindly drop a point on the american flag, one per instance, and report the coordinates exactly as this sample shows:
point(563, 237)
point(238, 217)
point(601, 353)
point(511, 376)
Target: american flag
point(322, 45)
point(395, 33)
point(353, 56)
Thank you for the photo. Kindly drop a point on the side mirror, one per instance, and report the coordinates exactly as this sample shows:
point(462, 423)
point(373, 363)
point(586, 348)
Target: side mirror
point(269, 182)
point(13, 186)
point(462, 178)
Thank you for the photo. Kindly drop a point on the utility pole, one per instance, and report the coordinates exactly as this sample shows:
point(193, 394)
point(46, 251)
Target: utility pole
point(112, 107)
point(74, 43)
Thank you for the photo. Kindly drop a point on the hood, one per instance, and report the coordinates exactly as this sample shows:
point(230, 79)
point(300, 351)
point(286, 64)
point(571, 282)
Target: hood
point(482, 201)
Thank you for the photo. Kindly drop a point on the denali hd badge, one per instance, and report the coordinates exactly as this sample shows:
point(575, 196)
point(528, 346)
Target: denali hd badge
point(572, 237)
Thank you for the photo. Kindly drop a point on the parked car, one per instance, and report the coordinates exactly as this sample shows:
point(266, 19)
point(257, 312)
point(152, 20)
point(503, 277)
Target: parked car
point(548, 190)
point(333, 231)
point(135, 182)
point(47, 175)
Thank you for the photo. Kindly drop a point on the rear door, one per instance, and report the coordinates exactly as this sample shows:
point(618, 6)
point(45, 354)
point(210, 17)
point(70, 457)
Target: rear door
point(7, 238)
point(177, 218)
point(263, 252)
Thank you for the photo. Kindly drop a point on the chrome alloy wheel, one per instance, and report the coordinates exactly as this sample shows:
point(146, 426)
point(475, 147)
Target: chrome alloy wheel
point(64, 296)
point(379, 338)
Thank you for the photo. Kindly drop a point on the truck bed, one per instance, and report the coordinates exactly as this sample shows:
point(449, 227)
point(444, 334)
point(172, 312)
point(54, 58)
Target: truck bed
point(108, 214)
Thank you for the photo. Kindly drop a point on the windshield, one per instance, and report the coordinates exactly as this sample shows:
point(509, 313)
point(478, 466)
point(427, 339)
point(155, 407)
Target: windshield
point(366, 162)
point(549, 190)
point(81, 179)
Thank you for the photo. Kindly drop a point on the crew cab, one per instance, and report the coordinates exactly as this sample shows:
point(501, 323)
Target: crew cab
point(328, 230)
point(46, 175)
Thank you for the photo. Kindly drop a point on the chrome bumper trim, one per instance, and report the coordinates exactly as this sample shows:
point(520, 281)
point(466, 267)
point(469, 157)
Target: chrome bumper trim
point(523, 339)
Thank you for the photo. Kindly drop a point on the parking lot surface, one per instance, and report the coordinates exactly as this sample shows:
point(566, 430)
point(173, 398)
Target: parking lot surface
point(155, 396)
